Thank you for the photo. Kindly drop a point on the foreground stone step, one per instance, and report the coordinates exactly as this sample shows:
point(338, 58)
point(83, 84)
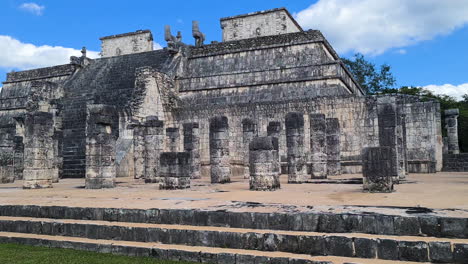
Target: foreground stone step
point(421, 249)
point(421, 222)
point(179, 252)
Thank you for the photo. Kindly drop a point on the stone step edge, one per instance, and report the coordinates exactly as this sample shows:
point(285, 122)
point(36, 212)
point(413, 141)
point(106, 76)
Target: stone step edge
point(179, 253)
point(330, 245)
point(371, 223)
point(233, 229)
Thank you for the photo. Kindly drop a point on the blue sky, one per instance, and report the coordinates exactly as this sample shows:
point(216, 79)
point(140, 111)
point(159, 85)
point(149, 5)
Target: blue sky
point(425, 41)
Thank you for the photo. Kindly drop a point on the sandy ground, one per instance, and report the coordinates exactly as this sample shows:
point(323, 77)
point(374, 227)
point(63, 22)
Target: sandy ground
point(448, 191)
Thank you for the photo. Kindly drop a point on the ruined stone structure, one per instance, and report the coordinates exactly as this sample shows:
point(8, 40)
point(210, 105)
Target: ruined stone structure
point(267, 78)
point(264, 164)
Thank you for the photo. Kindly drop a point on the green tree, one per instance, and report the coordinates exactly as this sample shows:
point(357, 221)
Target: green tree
point(365, 73)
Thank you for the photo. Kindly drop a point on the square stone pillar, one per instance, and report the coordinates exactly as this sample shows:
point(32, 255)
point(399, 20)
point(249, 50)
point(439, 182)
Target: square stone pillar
point(388, 132)
point(192, 146)
point(377, 169)
point(100, 146)
point(318, 146)
point(264, 164)
point(333, 146)
point(451, 124)
point(18, 157)
point(219, 150)
point(174, 170)
point(154, 141)
point(297, 168)
point(248, 133)
point(39, 151)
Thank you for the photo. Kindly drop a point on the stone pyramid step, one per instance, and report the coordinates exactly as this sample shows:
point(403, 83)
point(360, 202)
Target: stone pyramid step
point(404, 248)
point(401, 222)
point(213, 255)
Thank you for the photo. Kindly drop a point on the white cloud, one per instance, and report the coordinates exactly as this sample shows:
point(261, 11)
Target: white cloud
point(33, 8)
point(375, 26)
point(456, 91)
point(18, 55)
point(156, 46)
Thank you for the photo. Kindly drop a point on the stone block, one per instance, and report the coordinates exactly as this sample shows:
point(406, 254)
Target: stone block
point(174, 170)
point(440, 252)
point(413, 251)
point(264, 164)
point(387, 249)
point(365, 248)
point(460, 253)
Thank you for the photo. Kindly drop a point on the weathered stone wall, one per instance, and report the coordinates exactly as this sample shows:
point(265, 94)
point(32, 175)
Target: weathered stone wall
point(101, 136)
point(333, 149)
point(264, 23)
point(128, 43)
point(455, 162)
point(423, 134)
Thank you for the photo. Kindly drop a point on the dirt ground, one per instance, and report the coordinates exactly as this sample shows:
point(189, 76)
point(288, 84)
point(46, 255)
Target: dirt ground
point(439, 191)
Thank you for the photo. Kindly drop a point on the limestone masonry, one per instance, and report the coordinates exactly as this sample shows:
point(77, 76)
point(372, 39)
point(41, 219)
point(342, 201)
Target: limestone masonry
point(191, 111)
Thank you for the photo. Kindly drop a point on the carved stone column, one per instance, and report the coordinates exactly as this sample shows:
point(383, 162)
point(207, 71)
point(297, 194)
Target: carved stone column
point(192, 146)
point(318, 146)
point(100, 147)
point(219, 150)
point(264, 164)
point(451, 124)
point(172, 134)
point(154, 142)
point(333, 147)
point(248, 133)
point(297, 169)
point(39, 155)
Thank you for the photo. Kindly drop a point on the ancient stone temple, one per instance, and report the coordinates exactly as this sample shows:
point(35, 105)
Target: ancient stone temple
point(268, 77)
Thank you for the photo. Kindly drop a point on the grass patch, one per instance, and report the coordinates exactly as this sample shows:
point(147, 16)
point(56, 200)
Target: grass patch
point(21, 254)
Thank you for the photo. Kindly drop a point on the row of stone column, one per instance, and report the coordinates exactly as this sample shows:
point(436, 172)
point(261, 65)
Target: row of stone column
point(324, 138)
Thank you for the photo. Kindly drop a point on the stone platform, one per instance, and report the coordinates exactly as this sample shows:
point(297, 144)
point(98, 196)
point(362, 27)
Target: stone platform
point(425, 220)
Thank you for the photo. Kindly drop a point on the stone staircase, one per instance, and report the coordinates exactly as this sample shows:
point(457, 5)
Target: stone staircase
point(209, 236)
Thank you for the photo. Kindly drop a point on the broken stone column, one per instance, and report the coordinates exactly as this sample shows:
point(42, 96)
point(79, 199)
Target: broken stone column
point(192, 146)
point(39, 155)
point(172, 134)
point(388, 132)
point(318, 146)
point(377, 167)
point(333, 146)
point(451, 124)
point(264, 164)
point(100, 146)
point(219, 150)
point(248, 133)
point(174, 170)
point(297, 169)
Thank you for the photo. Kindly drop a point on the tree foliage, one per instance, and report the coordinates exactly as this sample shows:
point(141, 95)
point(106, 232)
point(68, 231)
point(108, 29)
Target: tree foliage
point(366, 74)
point(382, 81)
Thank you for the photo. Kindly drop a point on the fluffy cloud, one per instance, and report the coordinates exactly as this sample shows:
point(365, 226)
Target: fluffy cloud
point(18, 55)
point(456, 91)
point(157, 46)
point(373, 27)
point(33, 8)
